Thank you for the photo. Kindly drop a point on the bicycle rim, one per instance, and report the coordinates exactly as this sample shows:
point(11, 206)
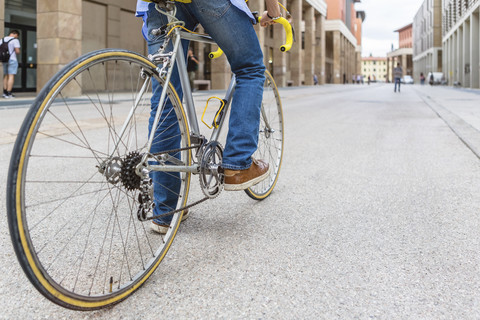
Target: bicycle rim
point(76, 234)
point(270, 139)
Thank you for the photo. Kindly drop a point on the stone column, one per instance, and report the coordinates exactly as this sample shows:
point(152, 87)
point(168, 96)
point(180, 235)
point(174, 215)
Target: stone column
point(259, 5)
point(220, 73)
point(296, 51)
point(279, 57)
point(475, 50)
point(200, 74)
point(2, 24)
point(449, 61)
point(455, 57)
point(59, 36)
point(359, 61)
point(460, 56)
point(309, 60)
point(320, 48)
point(446, 58)
point(344, 57)
point(388, 70)
point(337, 67)
point(466, 53)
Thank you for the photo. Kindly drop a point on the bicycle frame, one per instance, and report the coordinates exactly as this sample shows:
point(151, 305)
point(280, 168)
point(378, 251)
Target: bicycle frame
point(189, 105)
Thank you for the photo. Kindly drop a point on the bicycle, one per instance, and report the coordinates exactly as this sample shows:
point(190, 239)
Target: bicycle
point(77, 205)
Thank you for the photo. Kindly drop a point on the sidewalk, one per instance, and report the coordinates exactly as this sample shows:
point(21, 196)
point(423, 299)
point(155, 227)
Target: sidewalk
point(459, 109)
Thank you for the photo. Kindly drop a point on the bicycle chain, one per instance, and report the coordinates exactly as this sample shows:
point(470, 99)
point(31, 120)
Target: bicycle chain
point(146, 202)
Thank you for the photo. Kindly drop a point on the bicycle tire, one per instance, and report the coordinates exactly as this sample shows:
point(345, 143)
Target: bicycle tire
point(76, 235)
point(270, 139)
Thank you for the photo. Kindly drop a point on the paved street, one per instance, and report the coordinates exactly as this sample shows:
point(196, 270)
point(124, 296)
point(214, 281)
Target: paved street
point(376, 215)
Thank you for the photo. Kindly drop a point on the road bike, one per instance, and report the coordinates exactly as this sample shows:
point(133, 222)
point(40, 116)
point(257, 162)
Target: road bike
point(80, 189)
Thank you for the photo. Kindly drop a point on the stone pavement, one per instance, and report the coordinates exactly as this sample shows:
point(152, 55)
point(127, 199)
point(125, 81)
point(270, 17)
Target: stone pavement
point(375, 215)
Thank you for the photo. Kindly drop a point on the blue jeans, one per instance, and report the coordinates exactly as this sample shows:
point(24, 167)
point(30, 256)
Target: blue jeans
point(397, 81)
point(10, 67)
point(233, 31)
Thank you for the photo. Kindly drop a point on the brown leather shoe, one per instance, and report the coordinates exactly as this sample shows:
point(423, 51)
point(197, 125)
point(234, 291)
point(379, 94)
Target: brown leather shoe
point(244, 179)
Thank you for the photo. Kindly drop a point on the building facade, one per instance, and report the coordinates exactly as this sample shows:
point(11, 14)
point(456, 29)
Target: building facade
point(343, 46)
point(55, 32)
point(404, 54)
point(461, 42)
point(427, 45)
point(375, 68)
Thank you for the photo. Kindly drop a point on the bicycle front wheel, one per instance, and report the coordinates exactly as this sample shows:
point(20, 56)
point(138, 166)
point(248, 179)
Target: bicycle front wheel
point(270, 139)
point(72, 205)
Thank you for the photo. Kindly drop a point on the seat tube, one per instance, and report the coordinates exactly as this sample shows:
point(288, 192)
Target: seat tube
point(187, 90)
point(228, 98)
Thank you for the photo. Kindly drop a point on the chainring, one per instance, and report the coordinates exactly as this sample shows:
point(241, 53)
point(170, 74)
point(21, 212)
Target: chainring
point(211, 176)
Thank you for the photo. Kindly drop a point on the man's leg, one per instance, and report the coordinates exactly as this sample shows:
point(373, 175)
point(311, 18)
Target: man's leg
point(10, 82)
point(166, 185)
point(234, 33)
point(5, 80)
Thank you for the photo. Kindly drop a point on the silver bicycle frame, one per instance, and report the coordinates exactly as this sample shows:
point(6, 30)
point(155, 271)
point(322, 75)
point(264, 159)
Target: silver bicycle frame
point(189, 106)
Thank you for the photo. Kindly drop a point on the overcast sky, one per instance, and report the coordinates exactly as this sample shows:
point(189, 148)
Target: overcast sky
point(383, 17)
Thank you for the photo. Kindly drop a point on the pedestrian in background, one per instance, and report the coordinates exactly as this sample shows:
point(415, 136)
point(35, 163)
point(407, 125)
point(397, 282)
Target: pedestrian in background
point(10, 68)
point(192, 67)
point(422, 78)
point(397, 75)
point(315, 80)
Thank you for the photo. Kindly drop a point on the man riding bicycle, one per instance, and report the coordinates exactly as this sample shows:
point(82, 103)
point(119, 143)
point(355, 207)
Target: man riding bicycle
point(229, 23)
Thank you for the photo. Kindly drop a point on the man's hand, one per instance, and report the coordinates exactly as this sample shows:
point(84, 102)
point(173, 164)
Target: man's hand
point(273, 9)
point(266, 21)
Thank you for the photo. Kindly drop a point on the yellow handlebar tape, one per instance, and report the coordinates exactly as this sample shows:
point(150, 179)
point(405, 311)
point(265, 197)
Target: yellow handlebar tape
point(288, 29)
point(215, 54)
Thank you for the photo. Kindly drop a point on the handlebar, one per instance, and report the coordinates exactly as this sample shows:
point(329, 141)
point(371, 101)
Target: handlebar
point(284, 48)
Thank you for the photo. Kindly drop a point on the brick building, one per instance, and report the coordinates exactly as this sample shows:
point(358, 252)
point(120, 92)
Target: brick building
point(404, 53)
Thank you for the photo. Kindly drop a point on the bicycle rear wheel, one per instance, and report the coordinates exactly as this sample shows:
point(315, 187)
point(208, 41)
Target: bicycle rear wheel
point(270, 139)
point(72, 209)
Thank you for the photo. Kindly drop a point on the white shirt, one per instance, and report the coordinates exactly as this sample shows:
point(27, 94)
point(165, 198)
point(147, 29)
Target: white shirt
point(15, 43)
